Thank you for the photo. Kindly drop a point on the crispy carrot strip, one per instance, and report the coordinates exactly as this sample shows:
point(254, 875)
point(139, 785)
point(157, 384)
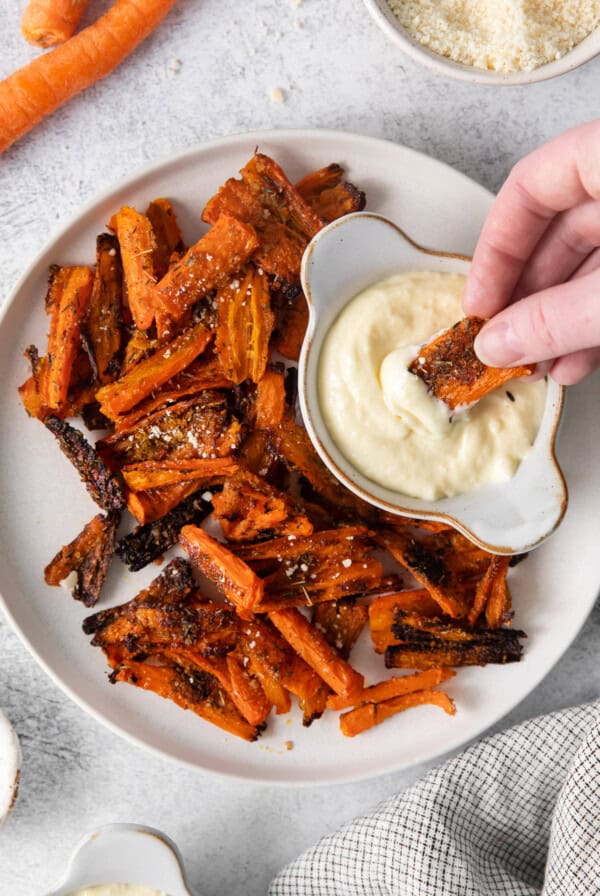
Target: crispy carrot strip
point(498, 605)
point(244, 326)
point(392, 687)
point(72, 288)
point(273, 688)
point(358, 720)
point(207, 265)
point(382, 614)
point(138, 247)
point(270, 405)
point(491, 587)
point(152, 474)
point(103, 324)
point(250, 698)
point(152, 504)
point(46, 23)
point(169, 360)
point(40, 87)
point(234, 577)
point(312, 647)
point(161, 215)
point(291, 328)
point(330, 198)
point(452, 371)
point(174, 685)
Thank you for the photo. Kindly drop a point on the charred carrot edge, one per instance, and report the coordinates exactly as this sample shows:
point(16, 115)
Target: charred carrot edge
point(312, 647)
point(40, 87)
point(494, 575)
point(151, 474)
point(103, 324)
point(152, 373)
point(149, 506)
point(392, 687)
point(234, 577)
point(358, 720)
point(452, 371)
point(138, 247)
point(207, 265)
point(46, 23)
point(74, 287)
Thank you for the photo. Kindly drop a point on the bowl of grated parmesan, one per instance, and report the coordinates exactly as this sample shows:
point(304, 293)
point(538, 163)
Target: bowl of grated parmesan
point(493, 41)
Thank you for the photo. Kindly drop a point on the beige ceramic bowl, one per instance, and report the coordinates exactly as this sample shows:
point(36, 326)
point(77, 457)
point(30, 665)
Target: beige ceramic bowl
point(388, 23)
point(505, 518)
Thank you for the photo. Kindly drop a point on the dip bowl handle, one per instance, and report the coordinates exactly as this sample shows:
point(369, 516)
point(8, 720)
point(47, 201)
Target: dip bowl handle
point(126, 854)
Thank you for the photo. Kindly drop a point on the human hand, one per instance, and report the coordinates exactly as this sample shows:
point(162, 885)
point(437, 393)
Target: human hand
point(536, 269)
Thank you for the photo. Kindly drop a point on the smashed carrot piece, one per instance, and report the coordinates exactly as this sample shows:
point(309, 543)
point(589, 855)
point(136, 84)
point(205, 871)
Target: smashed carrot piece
point(392, 687)
point(244, 326)
point(207, 265)
point(382, 614)
point(103, 323)
point(69, 297)
point(358, 720)
point(122, 395)
point(452, 371)
point(427, 569)
point(231, 575)
point(88, 557)
point(161, 215)
point(328, 195)
point(314, 649)
point(138, 248)
point(155, 474)
point(250, 508)
point(265, 199)
point(292, 323)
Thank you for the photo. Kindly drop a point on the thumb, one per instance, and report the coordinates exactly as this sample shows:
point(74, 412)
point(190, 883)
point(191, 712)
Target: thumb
point(545, 325)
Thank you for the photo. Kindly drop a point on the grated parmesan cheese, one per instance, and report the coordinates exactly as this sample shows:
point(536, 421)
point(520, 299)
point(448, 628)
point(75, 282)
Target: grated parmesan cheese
point(499, 35)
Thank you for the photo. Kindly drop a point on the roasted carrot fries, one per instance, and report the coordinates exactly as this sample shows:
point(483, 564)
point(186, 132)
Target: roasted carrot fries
point(176, 355)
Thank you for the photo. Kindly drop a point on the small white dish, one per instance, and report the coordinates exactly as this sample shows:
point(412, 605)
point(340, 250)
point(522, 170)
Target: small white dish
point(505, 518)
point(389, 24)
point(125, 854)
point(10, 767)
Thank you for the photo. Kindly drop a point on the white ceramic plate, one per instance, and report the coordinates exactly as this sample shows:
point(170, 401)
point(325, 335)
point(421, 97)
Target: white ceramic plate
point(43, 505)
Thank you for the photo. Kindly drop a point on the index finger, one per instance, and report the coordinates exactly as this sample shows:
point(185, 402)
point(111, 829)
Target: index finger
point(550, 180)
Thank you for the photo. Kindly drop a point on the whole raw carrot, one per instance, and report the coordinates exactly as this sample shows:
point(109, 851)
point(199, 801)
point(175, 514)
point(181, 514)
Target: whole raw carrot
point(46, 23)
point(39, 88)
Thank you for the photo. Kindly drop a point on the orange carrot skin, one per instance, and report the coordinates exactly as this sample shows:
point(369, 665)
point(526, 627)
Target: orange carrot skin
point(393, 687)
point(64, 340)
point(40, 87)
point(153, 372)
point(46, 23)
point(358, 720)
point(312, 647)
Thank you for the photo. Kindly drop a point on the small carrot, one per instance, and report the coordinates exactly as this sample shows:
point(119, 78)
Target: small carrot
point(40, 87)
point(358, 720)
point(46, 23)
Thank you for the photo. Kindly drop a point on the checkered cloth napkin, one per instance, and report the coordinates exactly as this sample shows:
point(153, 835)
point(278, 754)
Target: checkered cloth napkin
point(518, 814)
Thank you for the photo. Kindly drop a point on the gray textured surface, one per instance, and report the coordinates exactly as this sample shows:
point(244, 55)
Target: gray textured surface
point(207, 72)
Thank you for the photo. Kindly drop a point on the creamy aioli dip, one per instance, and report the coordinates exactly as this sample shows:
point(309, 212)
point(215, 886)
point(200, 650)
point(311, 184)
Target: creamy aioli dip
point(382, 417)
point(117, 890)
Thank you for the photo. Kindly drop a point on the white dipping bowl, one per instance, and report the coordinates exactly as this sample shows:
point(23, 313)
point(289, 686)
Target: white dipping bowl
point(388, 23)
point(511, 517)
point(125, 854)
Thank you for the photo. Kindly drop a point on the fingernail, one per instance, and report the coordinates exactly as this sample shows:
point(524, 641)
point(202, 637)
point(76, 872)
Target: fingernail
point(498, 345)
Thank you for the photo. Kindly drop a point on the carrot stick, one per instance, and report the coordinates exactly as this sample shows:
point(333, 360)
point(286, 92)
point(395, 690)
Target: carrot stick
point(247, 693)
point(103, 324)
point(312, 647)
point(492, 585)
point(46, 23)
point(40, 87)
point(235, 579)
point(148, 506)
point(371, 714)
point(157, 473)
point(147, 376)
point(393, 687)
point(74, 287)
point(138, 250)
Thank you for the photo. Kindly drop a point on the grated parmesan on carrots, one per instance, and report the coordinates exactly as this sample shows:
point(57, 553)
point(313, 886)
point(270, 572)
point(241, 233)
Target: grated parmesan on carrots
point(499, 35)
